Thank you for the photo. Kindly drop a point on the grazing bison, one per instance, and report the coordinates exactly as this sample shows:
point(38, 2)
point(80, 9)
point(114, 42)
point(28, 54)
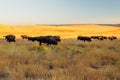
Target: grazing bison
point(57, 38)
point(97, 37)
point(24, 36)
point(32, 39)
point(10, 38)
point(47, 39)
point(104, 37)
point(52, 40)
point(112, 37)
point(100, 38)
point(84, 38)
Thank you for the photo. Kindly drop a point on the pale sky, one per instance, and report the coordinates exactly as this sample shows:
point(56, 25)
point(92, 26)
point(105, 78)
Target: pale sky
point(59, 11)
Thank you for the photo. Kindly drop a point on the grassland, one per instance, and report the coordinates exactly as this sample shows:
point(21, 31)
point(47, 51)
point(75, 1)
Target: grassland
point(70, 60)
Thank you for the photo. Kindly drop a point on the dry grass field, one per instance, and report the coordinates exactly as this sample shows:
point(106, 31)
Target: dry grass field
point(69, 60)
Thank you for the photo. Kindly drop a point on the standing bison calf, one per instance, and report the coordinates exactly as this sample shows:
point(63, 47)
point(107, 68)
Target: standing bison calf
point(24, 36)
point(10, 38)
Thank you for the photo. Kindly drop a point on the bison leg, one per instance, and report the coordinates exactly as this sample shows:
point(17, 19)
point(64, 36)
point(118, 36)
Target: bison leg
point(47, 43)
point(40, 43)
point(89, 41)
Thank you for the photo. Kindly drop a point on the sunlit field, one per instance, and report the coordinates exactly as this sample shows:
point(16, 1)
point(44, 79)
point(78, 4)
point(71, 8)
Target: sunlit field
point(70, 31)
point(69, 60)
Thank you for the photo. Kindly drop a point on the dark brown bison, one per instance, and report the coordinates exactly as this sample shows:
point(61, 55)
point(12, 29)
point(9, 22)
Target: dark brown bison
point(112, 37)
point(84, 38)
point(104, 37)
point(97, 37)
point(10, 38)
point(100, 38)
point(57, 38)
point(46, 39)
point(32, 39)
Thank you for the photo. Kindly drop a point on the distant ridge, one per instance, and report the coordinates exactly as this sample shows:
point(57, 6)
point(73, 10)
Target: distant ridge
point(117, 25)
point(57, 24)
point(62, 24)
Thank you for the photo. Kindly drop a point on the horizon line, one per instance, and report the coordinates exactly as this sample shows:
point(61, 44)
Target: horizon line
point(66, 24)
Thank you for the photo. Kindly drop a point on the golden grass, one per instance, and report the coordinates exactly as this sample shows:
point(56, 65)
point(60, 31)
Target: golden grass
point(64, 31)
point(70, 60)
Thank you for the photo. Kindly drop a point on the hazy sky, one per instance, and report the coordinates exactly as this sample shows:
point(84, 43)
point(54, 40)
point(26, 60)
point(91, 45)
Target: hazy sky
point(59, 11)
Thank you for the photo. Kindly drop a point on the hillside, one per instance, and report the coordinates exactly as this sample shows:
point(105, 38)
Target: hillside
point(68, 31)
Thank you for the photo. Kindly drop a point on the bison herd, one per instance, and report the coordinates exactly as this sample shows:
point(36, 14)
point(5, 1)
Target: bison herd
point(44, 39)
point(49, 40)
point(89, 39)
point(54, 40)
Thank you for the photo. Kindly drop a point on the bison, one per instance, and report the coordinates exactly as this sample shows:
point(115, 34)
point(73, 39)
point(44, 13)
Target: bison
point(32, 39)
point(24, 36)
point(84, 38)
point(112, 37)
point(104, 37)
point(10, 38)
point(97, 37)
point(46, 39)
point(57, 38)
